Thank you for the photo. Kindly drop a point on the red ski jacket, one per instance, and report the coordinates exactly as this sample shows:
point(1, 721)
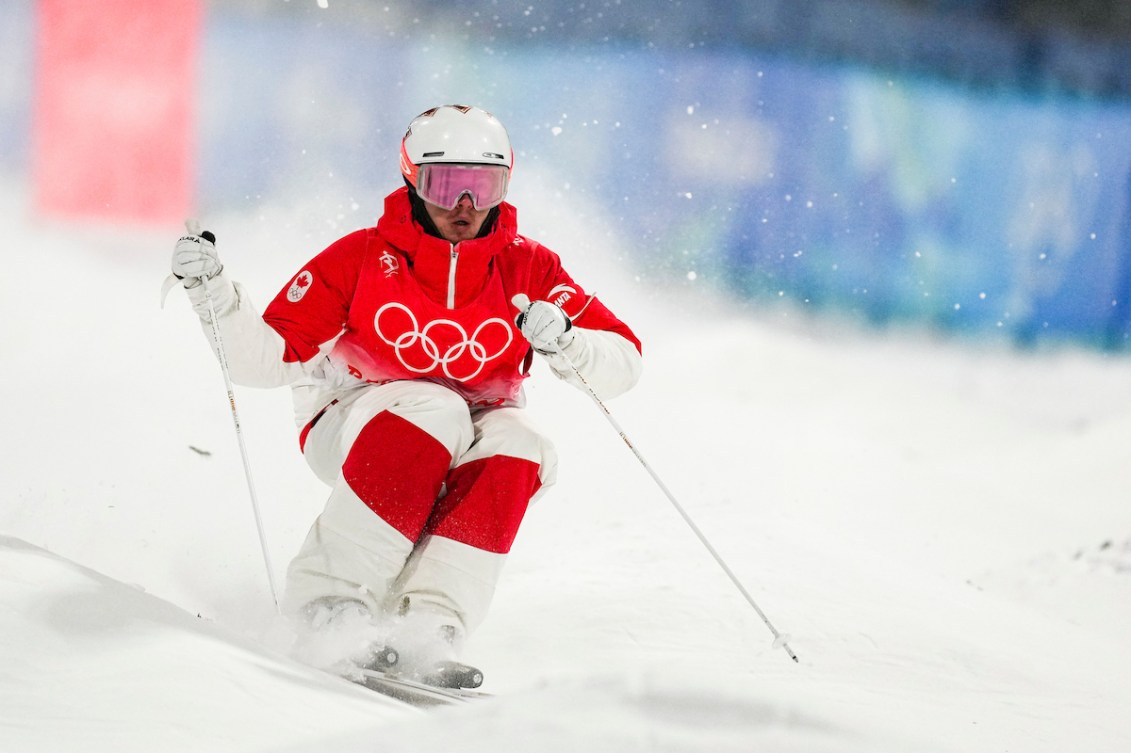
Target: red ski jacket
point(392, 302)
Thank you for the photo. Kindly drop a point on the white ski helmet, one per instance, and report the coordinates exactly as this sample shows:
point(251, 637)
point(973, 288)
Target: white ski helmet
point(454, 134)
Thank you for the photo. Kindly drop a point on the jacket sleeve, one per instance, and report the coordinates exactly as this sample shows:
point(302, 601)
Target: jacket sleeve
point(610, 363)
point(604, 350)
point(301, 324)
point(253, 349)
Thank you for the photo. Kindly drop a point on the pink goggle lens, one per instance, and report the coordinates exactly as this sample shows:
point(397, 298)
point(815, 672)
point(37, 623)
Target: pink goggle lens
point(444, 184)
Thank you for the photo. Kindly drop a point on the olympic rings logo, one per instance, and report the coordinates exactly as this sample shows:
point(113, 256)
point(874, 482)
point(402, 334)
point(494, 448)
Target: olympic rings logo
point(442, 343)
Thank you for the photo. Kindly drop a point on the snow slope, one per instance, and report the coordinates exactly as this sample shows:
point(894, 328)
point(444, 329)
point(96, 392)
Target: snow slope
point(942, 529)
point(92, 664)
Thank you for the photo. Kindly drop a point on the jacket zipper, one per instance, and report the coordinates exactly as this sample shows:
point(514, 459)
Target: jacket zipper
point(452, 260)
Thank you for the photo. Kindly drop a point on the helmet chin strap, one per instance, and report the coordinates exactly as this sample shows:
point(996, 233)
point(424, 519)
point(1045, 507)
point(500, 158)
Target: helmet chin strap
point(421, 217)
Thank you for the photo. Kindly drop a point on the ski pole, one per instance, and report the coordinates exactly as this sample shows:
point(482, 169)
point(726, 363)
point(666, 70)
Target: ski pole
point(223, 358)
point(780, 640)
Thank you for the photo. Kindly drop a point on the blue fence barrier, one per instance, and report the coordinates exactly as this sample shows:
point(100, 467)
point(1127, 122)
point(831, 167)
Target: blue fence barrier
point(892, 197)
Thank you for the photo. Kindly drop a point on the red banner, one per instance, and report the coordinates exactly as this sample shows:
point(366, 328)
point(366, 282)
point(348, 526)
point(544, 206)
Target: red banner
point(114, 108)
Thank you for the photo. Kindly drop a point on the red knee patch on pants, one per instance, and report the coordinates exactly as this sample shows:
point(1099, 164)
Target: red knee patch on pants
point(397, 469)
point(486, 501)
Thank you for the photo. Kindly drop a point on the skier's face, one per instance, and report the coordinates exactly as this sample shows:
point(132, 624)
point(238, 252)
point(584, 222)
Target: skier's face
point(460, 223)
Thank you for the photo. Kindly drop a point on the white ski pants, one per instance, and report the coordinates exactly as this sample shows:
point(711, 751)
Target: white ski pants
point(427, 497)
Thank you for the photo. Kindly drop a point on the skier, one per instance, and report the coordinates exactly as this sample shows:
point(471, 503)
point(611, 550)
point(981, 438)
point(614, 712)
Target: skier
point(406, 345)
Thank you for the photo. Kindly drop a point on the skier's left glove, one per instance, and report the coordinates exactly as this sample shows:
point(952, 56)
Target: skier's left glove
point(545, 326)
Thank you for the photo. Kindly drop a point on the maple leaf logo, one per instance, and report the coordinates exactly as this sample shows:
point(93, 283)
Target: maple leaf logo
point(299, 287)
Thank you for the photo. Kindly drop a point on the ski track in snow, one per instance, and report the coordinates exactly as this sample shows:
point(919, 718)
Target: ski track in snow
point(940, 527)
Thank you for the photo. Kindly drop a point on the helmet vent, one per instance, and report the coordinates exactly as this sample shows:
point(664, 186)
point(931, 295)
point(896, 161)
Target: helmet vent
point(432, 154)
point(493, 155)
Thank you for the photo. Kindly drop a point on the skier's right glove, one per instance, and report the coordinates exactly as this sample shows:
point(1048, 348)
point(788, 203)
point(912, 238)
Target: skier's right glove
point(195, 261)
point(195, 257)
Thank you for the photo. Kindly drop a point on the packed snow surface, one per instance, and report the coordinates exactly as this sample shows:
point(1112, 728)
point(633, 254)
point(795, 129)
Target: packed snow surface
point(940, 527)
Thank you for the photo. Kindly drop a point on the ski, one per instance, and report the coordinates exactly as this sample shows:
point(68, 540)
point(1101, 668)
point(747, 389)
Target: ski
point(416, 693)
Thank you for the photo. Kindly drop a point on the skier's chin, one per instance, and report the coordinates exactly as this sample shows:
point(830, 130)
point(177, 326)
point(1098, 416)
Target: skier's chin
point(460, 231)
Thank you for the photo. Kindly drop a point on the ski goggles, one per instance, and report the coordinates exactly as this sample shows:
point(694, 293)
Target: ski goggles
point(444, 184)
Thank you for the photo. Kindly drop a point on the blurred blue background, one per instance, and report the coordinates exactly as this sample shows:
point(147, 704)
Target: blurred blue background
point(963, 164)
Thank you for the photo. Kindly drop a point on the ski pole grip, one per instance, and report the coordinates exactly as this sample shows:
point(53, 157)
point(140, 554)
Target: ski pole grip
point(521, 301)
point(193, 226)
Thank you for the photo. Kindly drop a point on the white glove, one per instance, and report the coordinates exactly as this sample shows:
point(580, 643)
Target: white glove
point(543, 324)
point(195, 257)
